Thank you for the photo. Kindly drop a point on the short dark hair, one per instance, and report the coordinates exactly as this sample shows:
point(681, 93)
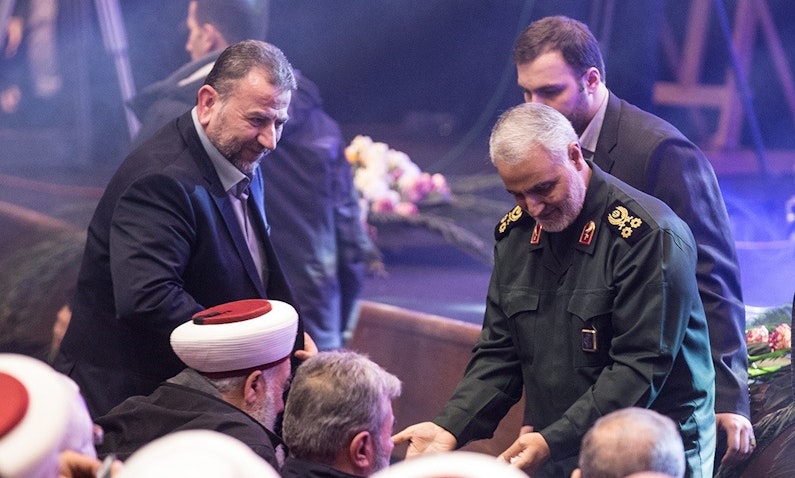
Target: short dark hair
point(238, 59)
point(237, 20)
point(571, 38)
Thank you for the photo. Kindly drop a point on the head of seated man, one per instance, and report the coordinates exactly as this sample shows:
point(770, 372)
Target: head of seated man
point(338, 418)
point(198, 454)
point(42, 416)
point(238, 368)
point(631, 440)
point(452, 464)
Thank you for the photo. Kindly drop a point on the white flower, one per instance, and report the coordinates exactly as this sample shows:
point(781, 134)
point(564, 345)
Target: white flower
point(388, 180)
point(371, 186)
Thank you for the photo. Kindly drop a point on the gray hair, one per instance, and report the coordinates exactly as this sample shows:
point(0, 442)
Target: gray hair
point(631, 440)
point(335, 395)
point(226, 385)
point(237, 60)
point(528, 126)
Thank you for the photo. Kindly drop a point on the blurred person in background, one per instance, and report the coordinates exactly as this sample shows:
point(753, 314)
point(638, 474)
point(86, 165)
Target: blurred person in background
point(30, 74)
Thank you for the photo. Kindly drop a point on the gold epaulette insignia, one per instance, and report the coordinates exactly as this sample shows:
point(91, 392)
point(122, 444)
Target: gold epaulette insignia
point(625, 223)
point(508, 221)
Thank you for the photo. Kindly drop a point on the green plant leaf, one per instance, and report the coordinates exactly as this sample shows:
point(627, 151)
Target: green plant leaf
point(768, 365)
point(769, 355)
point(758, 348)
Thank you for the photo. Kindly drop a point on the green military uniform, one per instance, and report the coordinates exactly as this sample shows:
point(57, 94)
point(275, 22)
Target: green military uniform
point(603, 315)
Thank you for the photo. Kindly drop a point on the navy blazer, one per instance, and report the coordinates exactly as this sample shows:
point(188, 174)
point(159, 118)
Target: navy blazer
point(651, 155)
point(163, 244)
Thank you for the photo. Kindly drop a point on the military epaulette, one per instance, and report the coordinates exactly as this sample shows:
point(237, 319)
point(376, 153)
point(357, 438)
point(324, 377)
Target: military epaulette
point(508, 221)
point(625, 223)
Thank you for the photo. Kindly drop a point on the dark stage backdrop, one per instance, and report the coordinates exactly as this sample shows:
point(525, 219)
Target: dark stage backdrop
point(437, 63)
point(378, 60)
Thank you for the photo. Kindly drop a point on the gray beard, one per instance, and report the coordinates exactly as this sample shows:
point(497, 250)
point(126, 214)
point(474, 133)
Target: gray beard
point(569, 211)
point(265, 413)
point(246, 167)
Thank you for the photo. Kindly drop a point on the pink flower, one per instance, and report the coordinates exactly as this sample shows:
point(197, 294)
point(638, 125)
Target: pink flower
point(382, 205)
point(756, 334)
point(406, 209)
point(385, 178)
point(425, 183)
point(780, 338)
point(411, 189)
point(440, 186)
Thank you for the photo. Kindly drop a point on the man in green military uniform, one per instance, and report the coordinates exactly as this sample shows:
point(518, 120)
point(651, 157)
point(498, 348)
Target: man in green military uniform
point(593, 306)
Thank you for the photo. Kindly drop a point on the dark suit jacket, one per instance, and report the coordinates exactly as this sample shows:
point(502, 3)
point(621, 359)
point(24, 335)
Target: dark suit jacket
point(164, 243)
point(653, 156)
point(311, 202)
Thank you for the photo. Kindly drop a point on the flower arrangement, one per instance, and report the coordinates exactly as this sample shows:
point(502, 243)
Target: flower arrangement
point(389, 182)
point(769, 342)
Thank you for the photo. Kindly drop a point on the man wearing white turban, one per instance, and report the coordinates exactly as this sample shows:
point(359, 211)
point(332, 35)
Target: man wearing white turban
point(238, 367)
point(42, 415)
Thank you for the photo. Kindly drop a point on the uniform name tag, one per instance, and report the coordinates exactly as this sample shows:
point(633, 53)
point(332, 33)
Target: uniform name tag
point(589, 341)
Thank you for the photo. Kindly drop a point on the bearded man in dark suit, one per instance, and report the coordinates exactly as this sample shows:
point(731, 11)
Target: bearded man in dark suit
point(181, 227)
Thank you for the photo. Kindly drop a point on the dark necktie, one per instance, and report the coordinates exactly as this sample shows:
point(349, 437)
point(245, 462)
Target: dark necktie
point(249, 231)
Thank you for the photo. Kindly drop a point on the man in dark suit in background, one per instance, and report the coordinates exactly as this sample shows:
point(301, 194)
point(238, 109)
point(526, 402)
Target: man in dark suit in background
point(559, 63)
point(212, 25)
point(180, 228)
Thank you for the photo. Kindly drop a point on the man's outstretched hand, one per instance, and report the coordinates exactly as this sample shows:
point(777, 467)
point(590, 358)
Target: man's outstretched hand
point(425, 437)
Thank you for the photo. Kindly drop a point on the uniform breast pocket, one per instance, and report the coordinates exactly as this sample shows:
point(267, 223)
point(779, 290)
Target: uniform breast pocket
point(590, 313)
point(521, 308)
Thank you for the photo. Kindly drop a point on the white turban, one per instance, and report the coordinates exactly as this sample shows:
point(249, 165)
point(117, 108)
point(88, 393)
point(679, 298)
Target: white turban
point(196, 454)
point(453, 464)
point(41, 414)
point(237, 336)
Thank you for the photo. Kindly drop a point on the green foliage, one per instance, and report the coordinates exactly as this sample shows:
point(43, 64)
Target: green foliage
point(770, 317)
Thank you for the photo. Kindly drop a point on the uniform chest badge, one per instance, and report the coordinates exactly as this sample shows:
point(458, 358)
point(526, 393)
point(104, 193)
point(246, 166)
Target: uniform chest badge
point(586, 236)
point(535, 238)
